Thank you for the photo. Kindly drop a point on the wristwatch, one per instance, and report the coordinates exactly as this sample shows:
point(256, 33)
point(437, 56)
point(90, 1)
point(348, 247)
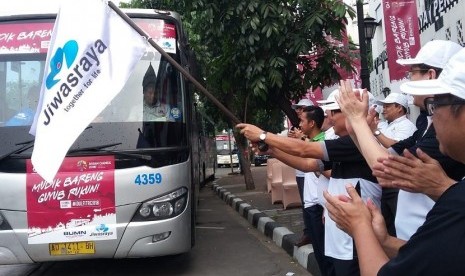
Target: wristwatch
point(262, 136)
point(377, 133)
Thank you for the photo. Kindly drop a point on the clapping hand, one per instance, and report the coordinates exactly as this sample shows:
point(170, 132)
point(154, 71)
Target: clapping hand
point(421, 174)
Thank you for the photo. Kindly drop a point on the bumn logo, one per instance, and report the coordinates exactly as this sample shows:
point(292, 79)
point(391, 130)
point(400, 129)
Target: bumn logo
point(71, 234)
point(69, 53)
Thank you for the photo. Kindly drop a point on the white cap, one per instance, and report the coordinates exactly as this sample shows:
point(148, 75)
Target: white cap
point(330, 98)
point(395, 98)
point(335, 105)
point(451, 80)
point(434, 53)
point(302, 103)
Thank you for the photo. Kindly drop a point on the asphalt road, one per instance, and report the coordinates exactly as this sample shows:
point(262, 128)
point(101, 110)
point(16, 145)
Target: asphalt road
point(226, 245)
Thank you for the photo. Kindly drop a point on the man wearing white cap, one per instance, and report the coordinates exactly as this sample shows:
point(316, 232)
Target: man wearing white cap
point(348, 166)
point(295, 132)
point(438, 247)
point(323, 179)
point(327, 127)
point(398, 128)
point(427, 65)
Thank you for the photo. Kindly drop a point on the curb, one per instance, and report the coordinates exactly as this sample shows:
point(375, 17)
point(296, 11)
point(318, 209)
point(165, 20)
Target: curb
point(282, 236)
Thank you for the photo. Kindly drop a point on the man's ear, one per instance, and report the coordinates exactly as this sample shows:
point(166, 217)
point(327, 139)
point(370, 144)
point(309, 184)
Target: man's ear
point(312, 123)
point(432, 74)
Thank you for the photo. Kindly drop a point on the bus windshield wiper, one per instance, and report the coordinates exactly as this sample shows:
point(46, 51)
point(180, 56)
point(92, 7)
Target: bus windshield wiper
point(24, 146)
point(94, 148)
point(101, 149)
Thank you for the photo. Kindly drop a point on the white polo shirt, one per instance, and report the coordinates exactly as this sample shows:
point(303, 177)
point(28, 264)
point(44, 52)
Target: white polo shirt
point(399, 129)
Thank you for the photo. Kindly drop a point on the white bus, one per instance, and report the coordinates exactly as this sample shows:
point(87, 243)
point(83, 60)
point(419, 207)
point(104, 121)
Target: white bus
point(127, 187)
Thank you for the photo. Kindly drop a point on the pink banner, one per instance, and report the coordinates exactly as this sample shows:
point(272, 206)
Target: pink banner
point(402, 34)
point(25, 37)
point(76, 204)
point(164, 34)
point(157, 29)
point(21, 38)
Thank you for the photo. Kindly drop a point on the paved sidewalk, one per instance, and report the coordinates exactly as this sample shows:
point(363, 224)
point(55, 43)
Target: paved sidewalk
point(284, 227)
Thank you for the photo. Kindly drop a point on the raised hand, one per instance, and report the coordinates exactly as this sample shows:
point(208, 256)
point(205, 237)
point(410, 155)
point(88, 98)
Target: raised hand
point(353, 104)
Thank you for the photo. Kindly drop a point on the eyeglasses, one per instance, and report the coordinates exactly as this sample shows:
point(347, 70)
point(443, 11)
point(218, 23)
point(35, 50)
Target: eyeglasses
point(335, 111)
point(411, 72)
point(432, 103)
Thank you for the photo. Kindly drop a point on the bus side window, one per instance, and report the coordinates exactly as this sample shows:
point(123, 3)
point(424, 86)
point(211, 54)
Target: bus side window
point(167, 88)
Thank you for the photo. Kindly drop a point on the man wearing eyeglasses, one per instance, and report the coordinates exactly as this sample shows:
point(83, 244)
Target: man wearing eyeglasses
point(437, 247)
point(411, 207)
point(398, 127)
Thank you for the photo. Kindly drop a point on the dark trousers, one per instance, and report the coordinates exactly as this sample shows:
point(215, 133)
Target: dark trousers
point(300, 185)
point(313, 219)
point(345, 267)
point(389, 208)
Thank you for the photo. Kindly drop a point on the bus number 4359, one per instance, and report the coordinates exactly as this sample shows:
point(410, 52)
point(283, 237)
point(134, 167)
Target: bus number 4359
point(148, 178)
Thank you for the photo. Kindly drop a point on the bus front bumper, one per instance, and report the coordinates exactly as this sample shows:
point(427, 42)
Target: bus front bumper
point(134, 239)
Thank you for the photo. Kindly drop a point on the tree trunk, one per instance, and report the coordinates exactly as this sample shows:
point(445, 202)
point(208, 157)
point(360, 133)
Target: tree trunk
point(244, 160)
point(284, 104)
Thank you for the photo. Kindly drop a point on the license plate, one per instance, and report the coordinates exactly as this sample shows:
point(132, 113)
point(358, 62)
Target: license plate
point(72, 248)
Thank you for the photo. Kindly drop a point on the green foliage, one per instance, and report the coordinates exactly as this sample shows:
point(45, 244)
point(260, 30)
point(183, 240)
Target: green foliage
point(249, 50)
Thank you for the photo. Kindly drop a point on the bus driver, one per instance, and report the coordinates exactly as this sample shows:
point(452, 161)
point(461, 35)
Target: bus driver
point(153, 109)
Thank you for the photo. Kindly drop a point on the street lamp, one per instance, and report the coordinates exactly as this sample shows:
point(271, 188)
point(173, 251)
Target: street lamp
point(366, 31)
point(370, 25)
point(364, 74)
point(386, 91)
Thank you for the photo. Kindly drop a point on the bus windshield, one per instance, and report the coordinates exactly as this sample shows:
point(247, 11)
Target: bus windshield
point(148, 113)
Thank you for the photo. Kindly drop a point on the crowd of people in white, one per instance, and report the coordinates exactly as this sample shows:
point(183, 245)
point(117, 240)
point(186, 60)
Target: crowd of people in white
point(391, 193)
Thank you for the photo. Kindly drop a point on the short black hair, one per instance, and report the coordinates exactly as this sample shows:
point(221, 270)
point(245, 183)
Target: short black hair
point(315, 113)
point(426, 67)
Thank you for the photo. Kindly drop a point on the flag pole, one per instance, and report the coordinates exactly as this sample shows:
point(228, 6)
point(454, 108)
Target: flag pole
point(174, 63)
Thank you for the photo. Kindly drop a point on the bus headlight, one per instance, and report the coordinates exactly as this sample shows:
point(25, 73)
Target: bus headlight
point(144, 210)
point(163, 207)
point(179, 205)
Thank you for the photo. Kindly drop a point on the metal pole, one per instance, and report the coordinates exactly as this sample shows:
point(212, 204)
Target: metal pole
point(230, 151)
point(364, 73)
point(174, 63)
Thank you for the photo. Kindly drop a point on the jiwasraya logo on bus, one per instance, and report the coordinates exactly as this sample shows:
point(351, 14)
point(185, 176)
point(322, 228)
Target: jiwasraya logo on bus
point(79, 73)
